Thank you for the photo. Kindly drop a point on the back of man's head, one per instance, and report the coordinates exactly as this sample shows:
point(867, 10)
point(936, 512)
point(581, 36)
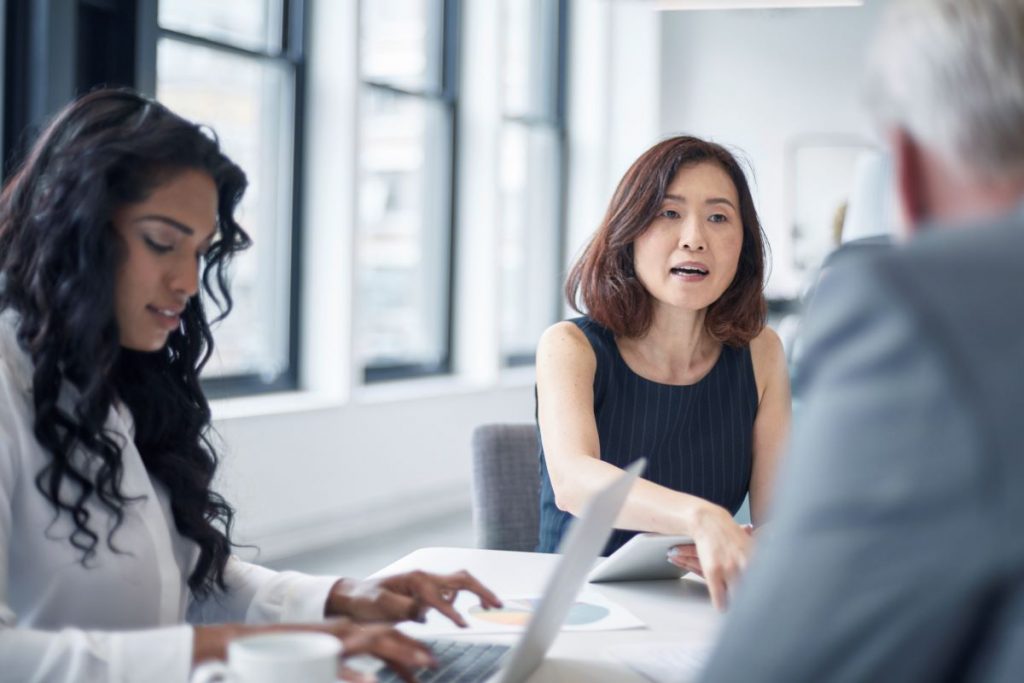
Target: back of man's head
point(950, 74)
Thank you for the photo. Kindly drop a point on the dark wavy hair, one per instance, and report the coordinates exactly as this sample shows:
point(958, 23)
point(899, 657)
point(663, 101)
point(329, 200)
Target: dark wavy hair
point(59, 255)
point(603, 279)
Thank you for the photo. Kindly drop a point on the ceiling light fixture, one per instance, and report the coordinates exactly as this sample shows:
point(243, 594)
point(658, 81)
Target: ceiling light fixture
point(673, 5)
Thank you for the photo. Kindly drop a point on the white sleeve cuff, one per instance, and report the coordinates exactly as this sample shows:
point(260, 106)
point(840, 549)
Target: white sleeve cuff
point(291, 597)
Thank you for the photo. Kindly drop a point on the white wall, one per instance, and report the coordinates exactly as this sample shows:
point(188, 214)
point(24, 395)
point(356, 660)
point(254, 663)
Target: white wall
point(318, 475)
point(758, 79)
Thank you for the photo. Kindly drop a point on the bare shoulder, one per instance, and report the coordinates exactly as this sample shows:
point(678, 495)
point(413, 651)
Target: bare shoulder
point(766, 346)
point(768, 358)
point(564, 346)
point(564, 337)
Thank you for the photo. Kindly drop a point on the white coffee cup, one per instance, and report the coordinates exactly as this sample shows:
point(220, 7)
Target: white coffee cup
point(276, 658)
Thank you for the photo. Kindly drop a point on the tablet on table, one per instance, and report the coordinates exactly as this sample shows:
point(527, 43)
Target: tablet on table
point(641, 558)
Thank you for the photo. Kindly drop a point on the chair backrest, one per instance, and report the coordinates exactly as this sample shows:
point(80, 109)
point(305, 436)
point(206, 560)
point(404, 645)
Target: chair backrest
point(506, 486)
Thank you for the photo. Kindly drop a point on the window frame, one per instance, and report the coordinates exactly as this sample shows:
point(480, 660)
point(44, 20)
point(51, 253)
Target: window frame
point(447, 95)
point(40, 75)
point(291, 54)
point(558, 124)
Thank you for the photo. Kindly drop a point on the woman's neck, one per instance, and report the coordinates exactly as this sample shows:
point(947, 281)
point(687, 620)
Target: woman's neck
point(677, 348)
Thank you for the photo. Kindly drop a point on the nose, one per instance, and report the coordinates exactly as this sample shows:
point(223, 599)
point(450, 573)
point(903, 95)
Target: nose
point(184, 278)
point(691, 235)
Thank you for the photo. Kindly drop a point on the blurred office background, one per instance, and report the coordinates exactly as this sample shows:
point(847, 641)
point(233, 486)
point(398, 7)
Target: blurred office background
point(422, 172)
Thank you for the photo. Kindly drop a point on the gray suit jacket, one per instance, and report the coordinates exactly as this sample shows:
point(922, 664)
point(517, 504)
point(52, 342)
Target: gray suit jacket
point(895, 551)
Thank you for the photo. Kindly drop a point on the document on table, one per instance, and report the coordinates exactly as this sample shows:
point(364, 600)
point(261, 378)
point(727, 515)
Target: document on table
point(665, 662)
point(590, 612)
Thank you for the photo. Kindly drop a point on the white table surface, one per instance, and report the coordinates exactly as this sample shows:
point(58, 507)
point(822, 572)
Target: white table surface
point(674, 611)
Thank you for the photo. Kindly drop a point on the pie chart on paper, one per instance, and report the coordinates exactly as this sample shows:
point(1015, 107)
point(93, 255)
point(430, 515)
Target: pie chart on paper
point(519, 613)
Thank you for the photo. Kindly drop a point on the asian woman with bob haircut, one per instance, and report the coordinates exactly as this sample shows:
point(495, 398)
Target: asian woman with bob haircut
point(671, 361)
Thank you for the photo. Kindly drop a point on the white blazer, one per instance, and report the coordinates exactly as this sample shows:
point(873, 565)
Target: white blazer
point(127, 615)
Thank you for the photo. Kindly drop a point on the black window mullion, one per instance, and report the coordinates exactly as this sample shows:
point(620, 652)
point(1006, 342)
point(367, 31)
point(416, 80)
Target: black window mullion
point(450, 48)
point(222, 46)
point(296, 29)
point(437, 95)
point(562, 126)
point(147, 31)
point(562, 33)
point(450, 86)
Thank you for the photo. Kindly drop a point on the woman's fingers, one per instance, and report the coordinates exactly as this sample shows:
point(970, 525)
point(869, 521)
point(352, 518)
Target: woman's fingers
point(686, 551)
point(382, 641)
point(719, 592)
point(352, 676)
point(687, 564)
point(403, 654)
point(723, 547)
point(719, 576)
point(400, 607)
point(685, 557)
point(463, 580)
point(723, 575)
point(440, 591)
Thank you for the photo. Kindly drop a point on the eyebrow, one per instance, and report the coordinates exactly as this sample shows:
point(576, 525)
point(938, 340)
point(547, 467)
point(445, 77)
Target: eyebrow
point(177, 225)
point(712, 200)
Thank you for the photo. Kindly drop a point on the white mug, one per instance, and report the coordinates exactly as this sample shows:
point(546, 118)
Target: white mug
point(276, 658)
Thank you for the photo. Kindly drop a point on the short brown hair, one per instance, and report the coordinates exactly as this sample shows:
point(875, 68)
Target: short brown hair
point(603, 279)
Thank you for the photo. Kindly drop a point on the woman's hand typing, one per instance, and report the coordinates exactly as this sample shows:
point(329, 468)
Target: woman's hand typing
point(405, 596)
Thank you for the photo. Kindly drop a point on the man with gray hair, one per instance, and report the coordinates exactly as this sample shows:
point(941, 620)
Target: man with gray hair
point(893, 553)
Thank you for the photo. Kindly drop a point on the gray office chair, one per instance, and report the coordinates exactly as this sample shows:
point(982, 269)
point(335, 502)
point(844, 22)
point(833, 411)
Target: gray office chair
point(506, 486)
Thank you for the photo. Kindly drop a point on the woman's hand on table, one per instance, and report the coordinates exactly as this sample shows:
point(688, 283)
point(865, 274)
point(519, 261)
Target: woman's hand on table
point(405, 596)
point(718, 554)
point(400, 652)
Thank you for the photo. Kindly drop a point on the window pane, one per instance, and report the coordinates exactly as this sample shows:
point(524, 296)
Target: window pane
point(404, 229)
point(530, 235)
point(530, 54)
point(252, 24)
point(247, 102)
point(401, 43)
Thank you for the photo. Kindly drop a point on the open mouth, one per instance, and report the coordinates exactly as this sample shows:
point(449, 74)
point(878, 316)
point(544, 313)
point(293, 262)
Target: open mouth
point(165, 312)
point(167, 318)
point(689, 270)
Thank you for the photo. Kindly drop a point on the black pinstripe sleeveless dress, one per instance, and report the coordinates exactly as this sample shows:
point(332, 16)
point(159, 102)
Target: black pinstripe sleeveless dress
point(697, 438)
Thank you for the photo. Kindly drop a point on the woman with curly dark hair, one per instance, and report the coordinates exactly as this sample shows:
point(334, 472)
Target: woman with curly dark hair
point(672, 362)
point(112, 541)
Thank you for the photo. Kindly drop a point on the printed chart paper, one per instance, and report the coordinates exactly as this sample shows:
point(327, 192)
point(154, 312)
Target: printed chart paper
point(590, 612)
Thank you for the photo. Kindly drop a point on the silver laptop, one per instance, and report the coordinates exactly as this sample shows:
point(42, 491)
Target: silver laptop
point(492, 663)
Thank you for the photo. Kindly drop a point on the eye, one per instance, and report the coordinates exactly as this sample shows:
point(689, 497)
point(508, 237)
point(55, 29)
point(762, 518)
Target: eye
point(718, 218)
point(669, 213)
point(157, 246)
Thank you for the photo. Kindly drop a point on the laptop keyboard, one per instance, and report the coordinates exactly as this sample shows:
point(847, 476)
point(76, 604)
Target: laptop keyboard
point(457, 661)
